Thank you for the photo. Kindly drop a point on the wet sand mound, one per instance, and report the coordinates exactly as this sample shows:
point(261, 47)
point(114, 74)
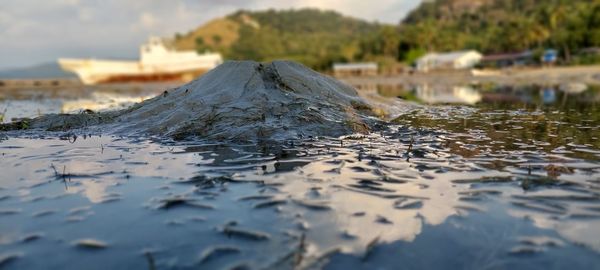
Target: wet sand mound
point(240, 101)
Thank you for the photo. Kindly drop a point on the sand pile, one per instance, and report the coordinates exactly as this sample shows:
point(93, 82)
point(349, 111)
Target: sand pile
point(240, 101)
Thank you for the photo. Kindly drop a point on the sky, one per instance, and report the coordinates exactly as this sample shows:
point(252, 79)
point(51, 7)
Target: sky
point(40, 31)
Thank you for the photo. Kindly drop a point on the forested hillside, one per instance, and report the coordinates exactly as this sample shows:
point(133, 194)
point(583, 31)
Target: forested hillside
point(319, 38)
point(313, 37)
point(496, 26)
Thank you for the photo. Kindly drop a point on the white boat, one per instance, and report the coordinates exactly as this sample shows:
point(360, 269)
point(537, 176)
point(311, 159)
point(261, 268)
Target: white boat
point(157, 63)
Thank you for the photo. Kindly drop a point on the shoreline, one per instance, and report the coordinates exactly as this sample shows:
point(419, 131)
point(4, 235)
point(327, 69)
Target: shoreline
point(589, 75)
point(511, 77)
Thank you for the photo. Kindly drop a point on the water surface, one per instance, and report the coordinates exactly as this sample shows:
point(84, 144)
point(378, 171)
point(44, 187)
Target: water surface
point(511, 180)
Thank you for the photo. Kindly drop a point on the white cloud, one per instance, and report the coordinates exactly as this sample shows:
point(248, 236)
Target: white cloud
point(85, 15)
point(147, 20)
point(69, 2)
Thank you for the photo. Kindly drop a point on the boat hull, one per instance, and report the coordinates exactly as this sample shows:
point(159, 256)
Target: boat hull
point(183, 76)
point(92, 71)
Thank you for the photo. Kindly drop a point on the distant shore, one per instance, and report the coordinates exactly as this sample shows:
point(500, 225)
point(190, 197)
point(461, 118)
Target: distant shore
point(589, 75)
point(521, 76)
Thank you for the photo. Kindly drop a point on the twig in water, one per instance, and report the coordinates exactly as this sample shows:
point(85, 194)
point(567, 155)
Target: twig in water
point(54, 168)
point(301, 250)
point(74, 138)
point(410, 146)
point(62, 176)
point(151, 264)
point(4, 112)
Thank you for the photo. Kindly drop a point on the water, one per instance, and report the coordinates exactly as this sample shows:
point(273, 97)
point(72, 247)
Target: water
point(511, 180)
point(20, 103)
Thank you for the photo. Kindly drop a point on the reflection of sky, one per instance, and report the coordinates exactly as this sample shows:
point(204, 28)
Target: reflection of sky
point(472, 95)
point(456, 94)
point(28, 108)
point(97, 101)
point(102, 166)
point(333, 181)
point(442, 183)
point(102, 102)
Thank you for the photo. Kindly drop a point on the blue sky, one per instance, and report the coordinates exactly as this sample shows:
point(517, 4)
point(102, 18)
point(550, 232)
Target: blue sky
point(34, 31)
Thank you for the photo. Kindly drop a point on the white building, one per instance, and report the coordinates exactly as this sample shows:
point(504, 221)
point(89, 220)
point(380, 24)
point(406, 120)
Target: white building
point(451, 60)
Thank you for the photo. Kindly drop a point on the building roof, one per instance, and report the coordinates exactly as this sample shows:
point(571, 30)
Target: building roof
point(352, 66)
point(447, 57)
point(508, 56)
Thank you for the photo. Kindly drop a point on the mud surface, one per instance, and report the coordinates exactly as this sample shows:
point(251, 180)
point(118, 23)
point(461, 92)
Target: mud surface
point(237, 101)
point(509, 182)
point(100, 203)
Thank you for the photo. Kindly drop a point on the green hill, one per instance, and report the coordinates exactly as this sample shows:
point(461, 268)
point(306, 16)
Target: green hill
point(318, 38)
point(314, 37)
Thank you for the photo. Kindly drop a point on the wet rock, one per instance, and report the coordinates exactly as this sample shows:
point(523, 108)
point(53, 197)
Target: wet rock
point(90, 243)
point(244, 233)
point(217, 251)
point(9, 211)
point(240, 266)
point(370, 247)
point(43, 213)
point(237, 101)
point(313, 205)
point(255, 197)
point(31, 237)
point(6, 259)
point(541, 241)
point(383, 220)
point(178, 201)
point(80, 210)
point(525, 250)
point(348, 235)
point(408, 203)
point(270, 203)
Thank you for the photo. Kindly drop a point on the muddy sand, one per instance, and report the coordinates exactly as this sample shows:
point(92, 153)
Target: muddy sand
point(237, 101)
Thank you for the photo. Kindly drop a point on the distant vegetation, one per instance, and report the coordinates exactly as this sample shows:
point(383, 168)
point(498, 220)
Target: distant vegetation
point(497, 26)
point(313, 37)
point(319, 38)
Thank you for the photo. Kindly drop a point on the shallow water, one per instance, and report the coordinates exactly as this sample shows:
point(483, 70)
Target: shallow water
point(20, 103)
point(503, 183)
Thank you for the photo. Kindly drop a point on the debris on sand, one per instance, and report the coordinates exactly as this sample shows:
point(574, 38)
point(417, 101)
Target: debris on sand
point(217, 251)
point(89, 243)
point(237, 101)
point(232, 230)
point(313, 205)
point(8, 258)
point(177, 201)
point(370, 247)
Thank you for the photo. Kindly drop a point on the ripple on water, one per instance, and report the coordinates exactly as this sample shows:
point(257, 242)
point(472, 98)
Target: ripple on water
point(302, 204)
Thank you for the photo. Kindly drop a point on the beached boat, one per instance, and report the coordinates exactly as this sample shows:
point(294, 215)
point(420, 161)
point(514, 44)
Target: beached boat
point(157, 63)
